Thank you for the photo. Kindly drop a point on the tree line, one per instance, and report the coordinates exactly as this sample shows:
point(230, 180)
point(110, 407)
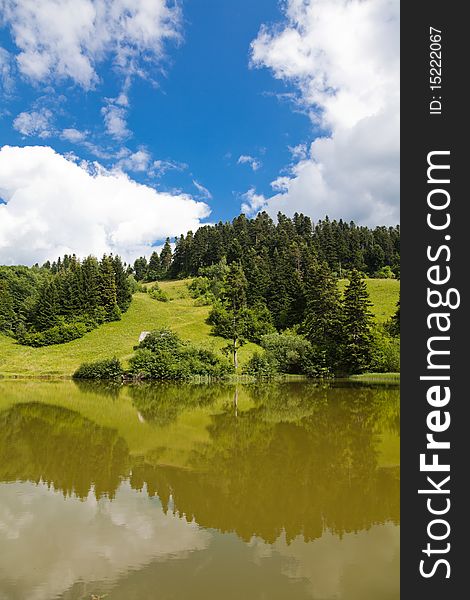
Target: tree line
point(277, 249)
point(61, 301)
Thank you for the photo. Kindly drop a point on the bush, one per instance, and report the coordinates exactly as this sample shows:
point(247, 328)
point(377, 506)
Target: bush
point(385, 273)
point(134, 285)
point(162, 339)
point(114, 314)
point(163, 356)
point(102, 369)
point(59, 334)
point(290, 351)
point(261, 366)
point(385, 352)
point(157, 293)
point(295, 355)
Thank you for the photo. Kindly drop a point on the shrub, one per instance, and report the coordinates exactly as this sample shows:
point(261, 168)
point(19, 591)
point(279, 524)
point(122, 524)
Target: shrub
point(290, 350)
point(162, 339)
point(261, 366)
point(385, 351)
point(102, 369)
point(157, 293)
point(59, 334)
point(385, 273)
point(295, 355)
point(114, 314)
point(163, 356)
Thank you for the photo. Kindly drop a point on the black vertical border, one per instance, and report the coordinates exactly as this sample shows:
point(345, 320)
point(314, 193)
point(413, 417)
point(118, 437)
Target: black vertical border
point(420, 134)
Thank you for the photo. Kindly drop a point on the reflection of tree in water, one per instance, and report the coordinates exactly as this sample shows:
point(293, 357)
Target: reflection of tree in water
point(60, 447)
point(162, 403)
point(303, 459)
point(262, 473)
point(111, 389)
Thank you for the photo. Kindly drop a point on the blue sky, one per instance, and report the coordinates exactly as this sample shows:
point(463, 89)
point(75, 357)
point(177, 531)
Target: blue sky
point(211, 106)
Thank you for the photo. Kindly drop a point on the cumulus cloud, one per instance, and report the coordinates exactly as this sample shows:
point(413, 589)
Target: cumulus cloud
point(115, 121)
point(246, 159)
point(55, 206)
point(134, 161)
point(343, 60)
point(73, 135)
point(67, 39)
point(36, 122)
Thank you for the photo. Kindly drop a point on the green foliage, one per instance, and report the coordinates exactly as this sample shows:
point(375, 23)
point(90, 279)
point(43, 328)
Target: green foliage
point(356, 348)
point(261, 366)
point(59, 334)
point(289, 350)
point(393, 325)
point(101, 369)
point(162, 355)
point(157, 293)
point(385, 273)
point(294, 354)
point(385, 351)
point(58, 303)
point(322, 324)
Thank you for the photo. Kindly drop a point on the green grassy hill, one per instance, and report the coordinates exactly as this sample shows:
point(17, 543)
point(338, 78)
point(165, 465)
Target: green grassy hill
point(119, 338)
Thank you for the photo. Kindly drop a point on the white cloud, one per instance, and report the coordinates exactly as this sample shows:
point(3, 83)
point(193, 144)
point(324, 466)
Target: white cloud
point(68, 39)
point(160, 167)
point(246, 159)
point(55, 206)
point(298, 152)
point(36, 122)
point(115, 122)
point(253, 202)
point(73, 135)
point(203, 191)
point(6, 71)
point(343, 59)
point(134, 161)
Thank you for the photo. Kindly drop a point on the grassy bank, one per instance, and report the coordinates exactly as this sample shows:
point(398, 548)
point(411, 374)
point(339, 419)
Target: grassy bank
point(119, 338)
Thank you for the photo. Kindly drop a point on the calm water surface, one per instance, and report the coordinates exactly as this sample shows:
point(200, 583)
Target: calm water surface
point(282, 491)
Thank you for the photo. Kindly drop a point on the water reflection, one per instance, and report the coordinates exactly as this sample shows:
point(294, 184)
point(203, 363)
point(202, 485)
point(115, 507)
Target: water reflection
point(279, 491)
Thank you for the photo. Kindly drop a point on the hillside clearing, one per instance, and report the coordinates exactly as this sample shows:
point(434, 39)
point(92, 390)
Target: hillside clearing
point(119, 338)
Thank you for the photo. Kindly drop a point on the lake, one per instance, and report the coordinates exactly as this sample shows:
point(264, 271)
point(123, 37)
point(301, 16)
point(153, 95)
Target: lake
point(284, 491)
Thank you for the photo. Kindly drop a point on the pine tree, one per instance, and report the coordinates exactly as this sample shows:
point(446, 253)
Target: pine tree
point(108, 286)
point(46, 309)
point(140, 268)
point(123, 290)
point(165, 259)
point(154, 269)
point(394, 326)
point(356, 345)
point(322, 324)
point(91, 284)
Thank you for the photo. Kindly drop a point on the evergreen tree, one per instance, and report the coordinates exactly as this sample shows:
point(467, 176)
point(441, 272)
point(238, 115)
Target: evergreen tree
point(165, 259)
point(47, 307)
point(394, 326)
point(123, 290)
point(91, 284)
point(154, 269)
point(140, 268)
point(108, 287)
point(356, 345)
point(322, 324)
point(7, 311)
